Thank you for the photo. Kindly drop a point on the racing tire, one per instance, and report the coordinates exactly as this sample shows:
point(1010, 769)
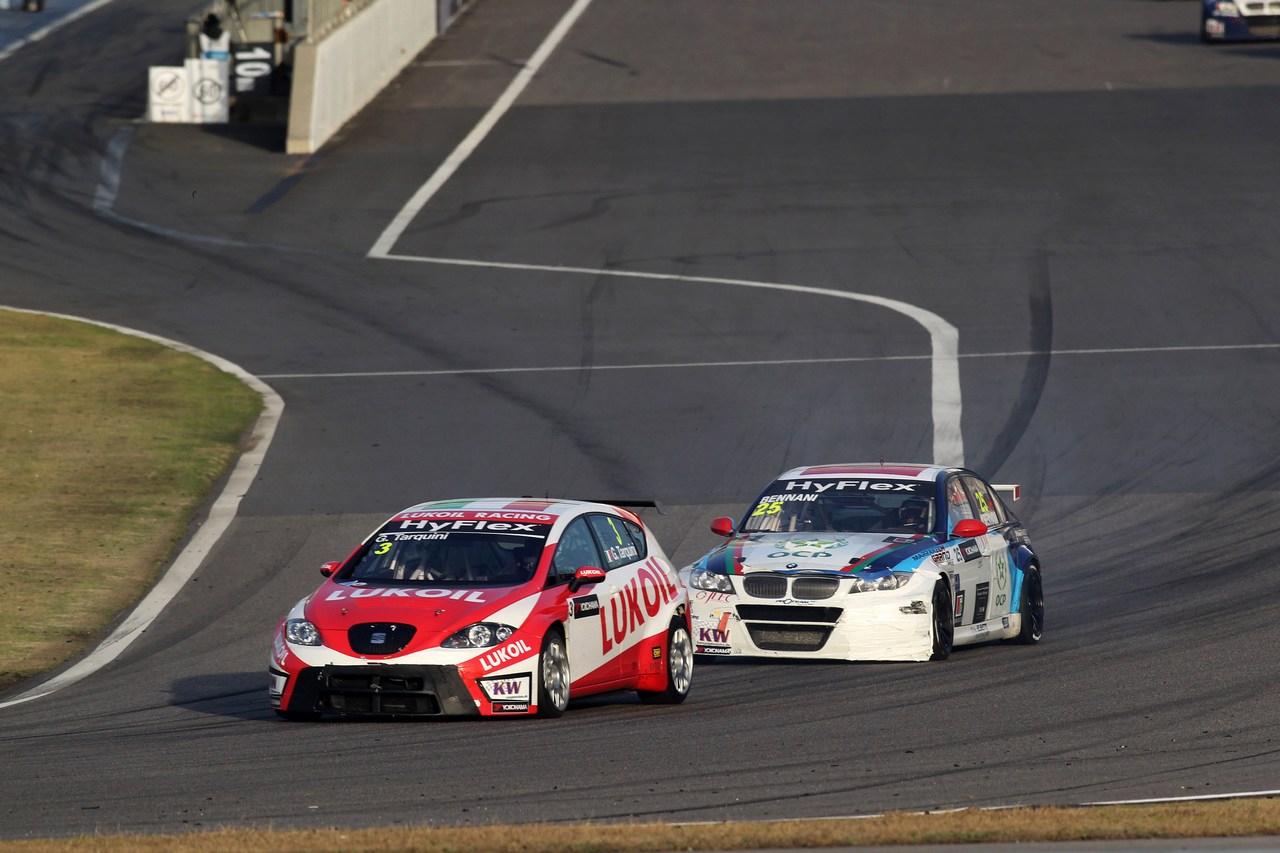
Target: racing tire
point(1031, 606)
point(679, 668)
point(298, 716)
point(944, 623)
point(553, 676)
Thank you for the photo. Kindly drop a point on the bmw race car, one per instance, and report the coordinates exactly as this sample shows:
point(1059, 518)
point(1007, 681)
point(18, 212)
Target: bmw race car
point(868, 562)
point(491, 607)
point(1239, 20)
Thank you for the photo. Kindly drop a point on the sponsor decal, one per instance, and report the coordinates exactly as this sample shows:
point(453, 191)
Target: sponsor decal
point(1004, 622)
point(473, 596)
point(807, 547)
point(541, 518)
point(900, 540)
point(820, 486)
point(588, 605)
point(510, 707)
point(471, 525)
point(969, 550)
point(511, 688)
point(1002, 568)
point(714, 650)
point(631, 607)
point(503, 655)
point(713, 635)
point(959, 606)
point(656, 652)
point(712, 597)
point(980, 602)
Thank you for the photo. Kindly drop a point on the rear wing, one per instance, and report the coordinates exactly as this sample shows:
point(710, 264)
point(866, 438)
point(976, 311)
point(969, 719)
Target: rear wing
point(1012, 492)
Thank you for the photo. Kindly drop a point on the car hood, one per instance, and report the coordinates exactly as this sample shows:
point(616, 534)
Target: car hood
point(435, 612)
point(834, 552)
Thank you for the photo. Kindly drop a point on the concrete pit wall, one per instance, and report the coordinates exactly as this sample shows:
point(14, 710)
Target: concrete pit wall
point(338, 73)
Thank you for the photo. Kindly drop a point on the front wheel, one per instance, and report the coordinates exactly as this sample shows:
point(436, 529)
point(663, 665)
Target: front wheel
point(1031, 606)
point(944, 623)
point(553, 676)
point(679, 668)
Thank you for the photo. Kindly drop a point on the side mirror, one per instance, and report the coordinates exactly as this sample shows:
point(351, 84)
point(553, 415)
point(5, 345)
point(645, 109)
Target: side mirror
point(969, 528)
point(722, 527)
point(584, 576)
point(330, 567)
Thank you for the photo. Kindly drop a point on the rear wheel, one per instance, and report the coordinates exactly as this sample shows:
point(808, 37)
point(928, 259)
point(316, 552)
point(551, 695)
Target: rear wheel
point(679, 668)
point(553, 676)
point(1031, 606)
point(944, 623)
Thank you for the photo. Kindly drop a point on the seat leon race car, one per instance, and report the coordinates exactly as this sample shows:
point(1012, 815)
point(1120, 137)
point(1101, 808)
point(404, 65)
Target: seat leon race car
point(869, 562)
point(492, 607)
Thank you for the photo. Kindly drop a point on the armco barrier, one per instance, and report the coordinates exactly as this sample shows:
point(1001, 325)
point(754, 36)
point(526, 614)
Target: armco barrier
point(337, 74)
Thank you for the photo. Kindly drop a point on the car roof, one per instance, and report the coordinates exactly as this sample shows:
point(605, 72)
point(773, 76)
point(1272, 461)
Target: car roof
point(551, 507)
point(879, 470)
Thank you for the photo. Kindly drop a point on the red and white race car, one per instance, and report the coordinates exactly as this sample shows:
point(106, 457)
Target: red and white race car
point(491, 607)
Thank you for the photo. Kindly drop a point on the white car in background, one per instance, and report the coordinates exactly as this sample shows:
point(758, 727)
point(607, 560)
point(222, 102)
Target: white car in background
point(867, 562)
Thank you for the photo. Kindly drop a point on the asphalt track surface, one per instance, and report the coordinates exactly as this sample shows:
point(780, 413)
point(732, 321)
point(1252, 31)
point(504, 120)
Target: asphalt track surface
point(1083, 190)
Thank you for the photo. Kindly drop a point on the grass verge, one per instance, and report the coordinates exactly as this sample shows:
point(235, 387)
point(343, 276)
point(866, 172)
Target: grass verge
point(1229, 818)
point(110, 444)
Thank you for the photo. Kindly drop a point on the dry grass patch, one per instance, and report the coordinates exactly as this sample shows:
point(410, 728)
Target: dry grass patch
point(1233, 818)
point(110, 443)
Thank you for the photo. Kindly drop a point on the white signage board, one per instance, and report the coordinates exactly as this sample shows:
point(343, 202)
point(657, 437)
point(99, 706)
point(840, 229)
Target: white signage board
point(210, 100)
point(168, 94)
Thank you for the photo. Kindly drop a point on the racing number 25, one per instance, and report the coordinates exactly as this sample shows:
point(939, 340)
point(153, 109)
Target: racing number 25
point(768, 508)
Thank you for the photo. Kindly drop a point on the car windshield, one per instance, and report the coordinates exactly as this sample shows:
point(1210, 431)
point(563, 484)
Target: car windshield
point(453, 557)
point(901, 507)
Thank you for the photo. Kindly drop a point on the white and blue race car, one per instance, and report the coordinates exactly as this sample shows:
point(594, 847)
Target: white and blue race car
point(1239, 20)
point(874, 562)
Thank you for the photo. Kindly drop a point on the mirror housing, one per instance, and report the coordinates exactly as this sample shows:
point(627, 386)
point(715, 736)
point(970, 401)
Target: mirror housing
point(722, 526)
point(968, 528)
point(585, 575)
point(330, 567)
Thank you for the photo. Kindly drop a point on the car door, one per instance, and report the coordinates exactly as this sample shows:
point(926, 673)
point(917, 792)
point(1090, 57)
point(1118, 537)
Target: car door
point(583, 608)
point(626, 616)
point(994, 545)
point(970, 558)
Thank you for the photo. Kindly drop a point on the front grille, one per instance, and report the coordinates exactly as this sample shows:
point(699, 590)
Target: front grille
point(379, 638)
point(789, 638)
point(788, 613)
point(814, 589)
point(367, 691)
point(765, 586)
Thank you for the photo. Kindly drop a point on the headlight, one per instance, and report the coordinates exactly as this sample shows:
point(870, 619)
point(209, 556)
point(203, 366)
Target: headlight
point(301, 632)
point(879, 580)
point(709, 580)
point(479, 636)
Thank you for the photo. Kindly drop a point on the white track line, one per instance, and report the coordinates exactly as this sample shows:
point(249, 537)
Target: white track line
point(478, 133)
point(684, 365)
point(944, 338)
point(185, 564)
